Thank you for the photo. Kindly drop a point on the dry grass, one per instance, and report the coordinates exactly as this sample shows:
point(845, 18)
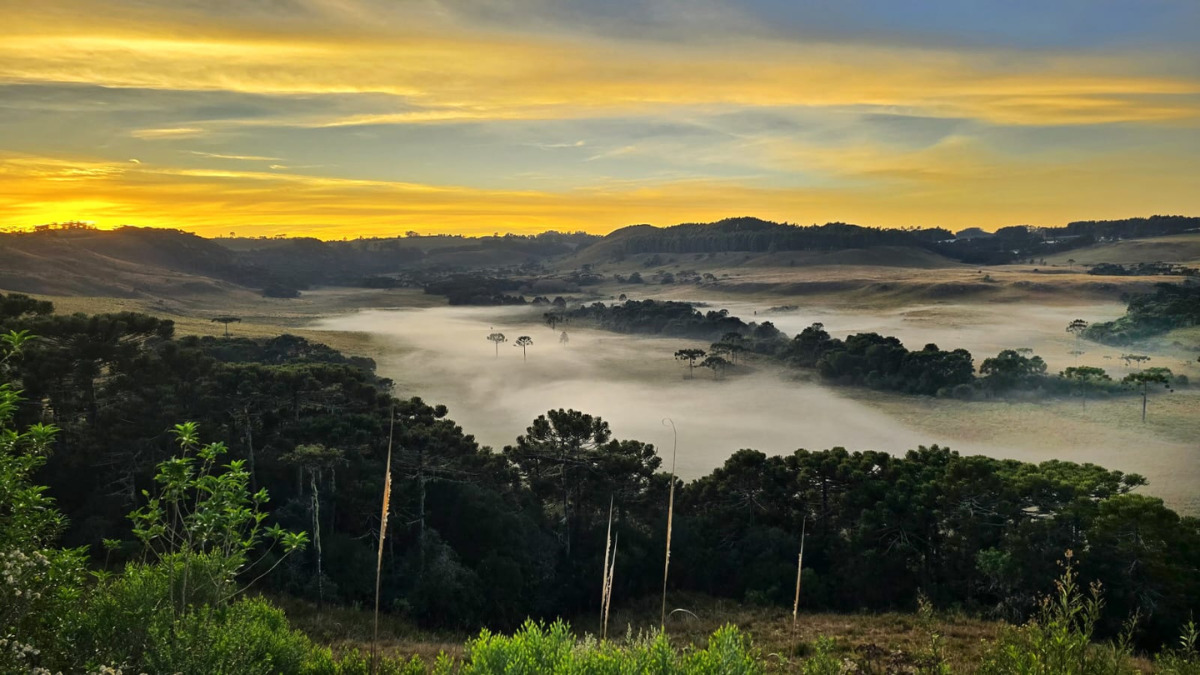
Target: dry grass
point(889, 639)
point(347, 628)
point(261, 317)
point(1180, 248)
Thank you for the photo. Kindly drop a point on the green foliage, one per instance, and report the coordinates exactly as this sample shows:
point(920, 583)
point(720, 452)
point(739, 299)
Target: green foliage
point(1059, 641)
point(1169, 306)
point(824, 659)
point(39, 584)
point(1184, 657)
point(537, 648)
point(205, 510)
point(1010, 369)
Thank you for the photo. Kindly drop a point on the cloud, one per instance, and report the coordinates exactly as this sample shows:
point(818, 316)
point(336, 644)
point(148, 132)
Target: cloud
point(167, 133)
point(244, 158)
point(435, 114)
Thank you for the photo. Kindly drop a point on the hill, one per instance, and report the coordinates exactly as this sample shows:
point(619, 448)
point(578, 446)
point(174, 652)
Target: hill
point(1180, 248)
point(754, 235)
point(134, 262)
point(129, 262)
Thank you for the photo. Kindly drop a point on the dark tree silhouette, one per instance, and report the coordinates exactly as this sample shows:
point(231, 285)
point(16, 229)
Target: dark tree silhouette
point(227, 320)
point(691, 356)
point(1141, 382)
point(1076, 328)
point(523, 342)
point(497, 338)
point(716, 364)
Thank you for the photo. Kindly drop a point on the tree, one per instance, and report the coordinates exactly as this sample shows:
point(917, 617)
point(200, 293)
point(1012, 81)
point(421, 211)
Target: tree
point(715, 364)
point(496, 339)
point(1077, 328)
point(573, 465)
point(552, 319)
point(226, 320)
point(691, 356)
point(564, 338)
point(1141, 382)
point(316, 460)
point(731, 344)
point(1085, 377)
point(1009, 369)
point(1131, 359)
point(523, 342)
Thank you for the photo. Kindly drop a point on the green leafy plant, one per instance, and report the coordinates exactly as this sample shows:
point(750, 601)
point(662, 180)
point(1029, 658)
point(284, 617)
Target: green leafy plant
point(1059, 640)
point(206, 510)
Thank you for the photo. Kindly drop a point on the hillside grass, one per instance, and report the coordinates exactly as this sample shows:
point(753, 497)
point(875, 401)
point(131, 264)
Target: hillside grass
point(887, 641)
point(1180, 248)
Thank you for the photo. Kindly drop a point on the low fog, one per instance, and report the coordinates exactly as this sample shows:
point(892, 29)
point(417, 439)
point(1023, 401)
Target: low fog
point(442, 355)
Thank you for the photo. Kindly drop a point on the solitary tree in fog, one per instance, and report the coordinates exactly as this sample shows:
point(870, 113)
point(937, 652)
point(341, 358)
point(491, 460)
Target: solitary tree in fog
point(1076, 328)
point(497, 338)
point(563, 339)
point(691, 356)
point(552, 319)
point(523, 342)
point(227, 320)
point(1141, 382)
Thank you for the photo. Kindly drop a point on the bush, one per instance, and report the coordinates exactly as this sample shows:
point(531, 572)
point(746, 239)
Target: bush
point(1059, 640)
point(537, 648)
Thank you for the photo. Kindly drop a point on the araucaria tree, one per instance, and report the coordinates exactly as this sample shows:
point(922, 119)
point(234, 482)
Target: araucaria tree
point(691, 356)
point(1141, 381)
point(523, 342)
point(715, 364)
point(496, 339)
point(1076, 328)
point(1085, 377)
point(227, 320)
point(574, 467)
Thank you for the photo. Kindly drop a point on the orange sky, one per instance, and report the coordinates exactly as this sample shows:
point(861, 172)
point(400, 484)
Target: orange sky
point(337, 118)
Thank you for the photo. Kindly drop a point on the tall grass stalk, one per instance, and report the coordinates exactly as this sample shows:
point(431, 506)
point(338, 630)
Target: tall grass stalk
point(662, 621)
point(387, 499)
point(799, 569)
point(610, 566)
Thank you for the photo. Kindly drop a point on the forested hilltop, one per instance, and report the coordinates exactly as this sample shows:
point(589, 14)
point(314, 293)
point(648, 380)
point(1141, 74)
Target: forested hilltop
point(488, 537)
point(1007, 244)
point(77, 259)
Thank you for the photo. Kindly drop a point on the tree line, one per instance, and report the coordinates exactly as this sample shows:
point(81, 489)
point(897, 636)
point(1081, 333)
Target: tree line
point(483, 536)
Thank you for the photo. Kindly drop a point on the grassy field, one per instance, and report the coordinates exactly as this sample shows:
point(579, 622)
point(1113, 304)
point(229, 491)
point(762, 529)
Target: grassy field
point(1180, 248)
point(884, 642)
point(261, 317)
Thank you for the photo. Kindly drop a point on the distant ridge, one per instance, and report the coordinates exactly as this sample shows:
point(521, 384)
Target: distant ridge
point(755, 235)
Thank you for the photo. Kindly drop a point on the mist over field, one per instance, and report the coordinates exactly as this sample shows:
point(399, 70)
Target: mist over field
point(633, 383)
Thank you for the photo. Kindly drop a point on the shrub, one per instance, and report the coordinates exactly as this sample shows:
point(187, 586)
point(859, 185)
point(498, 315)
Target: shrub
point(537, 648)
point(1059, 640)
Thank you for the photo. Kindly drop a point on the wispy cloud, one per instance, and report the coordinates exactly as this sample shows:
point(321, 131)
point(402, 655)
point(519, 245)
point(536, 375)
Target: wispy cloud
point(436, 114)
point(167, 133)
point(244, 158)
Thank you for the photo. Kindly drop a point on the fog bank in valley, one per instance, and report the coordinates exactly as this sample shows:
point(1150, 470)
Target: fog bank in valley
point(442, 355)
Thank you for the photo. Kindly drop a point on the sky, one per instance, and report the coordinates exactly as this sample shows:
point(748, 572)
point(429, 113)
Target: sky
point(347, 118)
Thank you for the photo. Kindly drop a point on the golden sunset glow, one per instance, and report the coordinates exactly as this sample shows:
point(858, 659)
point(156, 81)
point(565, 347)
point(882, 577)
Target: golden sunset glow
point(341, 118)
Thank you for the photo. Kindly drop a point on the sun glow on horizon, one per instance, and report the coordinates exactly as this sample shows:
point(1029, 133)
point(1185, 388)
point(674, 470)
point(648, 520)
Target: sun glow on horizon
point(357, 117)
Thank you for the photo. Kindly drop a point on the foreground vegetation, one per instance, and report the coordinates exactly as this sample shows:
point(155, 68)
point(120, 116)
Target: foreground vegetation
point(484, 538)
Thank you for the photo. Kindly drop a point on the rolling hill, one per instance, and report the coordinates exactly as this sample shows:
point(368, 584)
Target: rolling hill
point(1179, 248)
